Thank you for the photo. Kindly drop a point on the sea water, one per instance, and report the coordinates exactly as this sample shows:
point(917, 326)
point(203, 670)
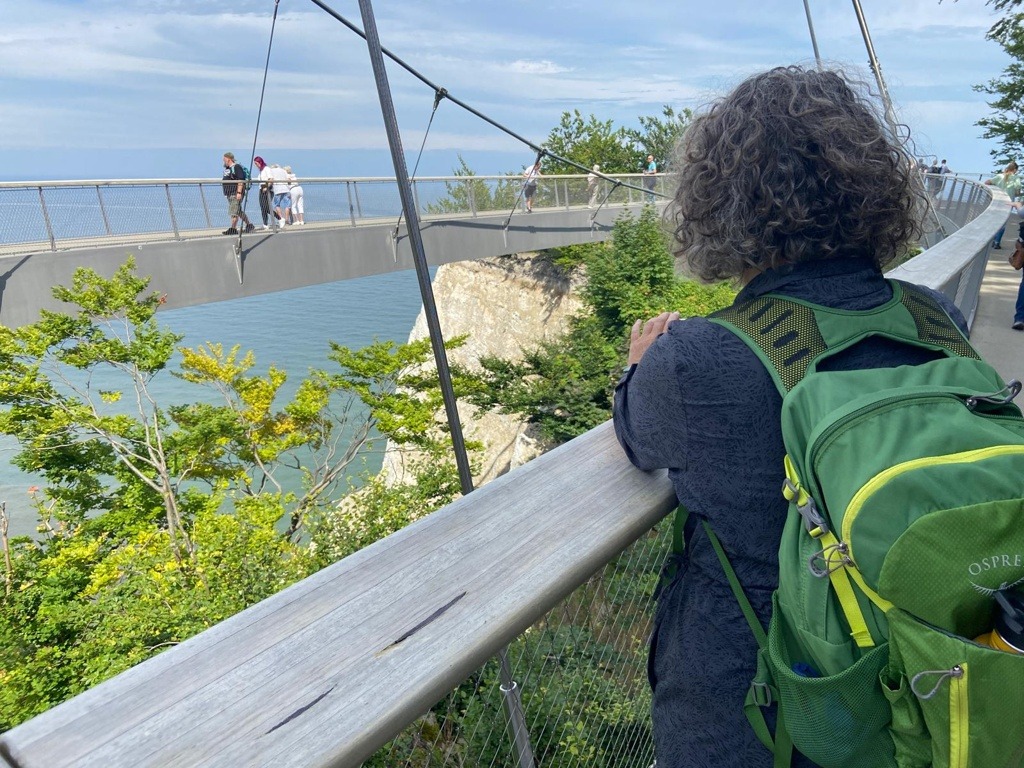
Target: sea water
point(289, 330)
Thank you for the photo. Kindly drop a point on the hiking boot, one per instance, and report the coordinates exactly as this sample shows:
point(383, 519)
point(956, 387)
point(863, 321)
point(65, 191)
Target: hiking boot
point(997, 246)
point(1018, 326)
point(230, 231)
point(249, 228)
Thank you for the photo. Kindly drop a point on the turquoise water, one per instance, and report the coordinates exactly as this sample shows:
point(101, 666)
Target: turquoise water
point(289, 329)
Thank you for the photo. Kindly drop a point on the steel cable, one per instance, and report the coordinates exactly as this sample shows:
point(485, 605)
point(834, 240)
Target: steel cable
point(445, 94)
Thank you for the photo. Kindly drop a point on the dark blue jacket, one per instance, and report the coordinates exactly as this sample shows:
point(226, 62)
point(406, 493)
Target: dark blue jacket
point(701, 404)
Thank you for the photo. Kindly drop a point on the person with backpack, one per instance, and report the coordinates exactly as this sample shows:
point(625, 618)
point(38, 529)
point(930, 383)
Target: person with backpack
point(234, 185)
point(820, 197)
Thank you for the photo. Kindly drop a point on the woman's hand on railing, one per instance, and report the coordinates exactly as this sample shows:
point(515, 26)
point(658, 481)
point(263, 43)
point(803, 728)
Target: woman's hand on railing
point(642, 336)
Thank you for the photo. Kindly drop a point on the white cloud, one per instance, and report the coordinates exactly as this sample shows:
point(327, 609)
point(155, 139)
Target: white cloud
point(524, 67)
point(149, 71)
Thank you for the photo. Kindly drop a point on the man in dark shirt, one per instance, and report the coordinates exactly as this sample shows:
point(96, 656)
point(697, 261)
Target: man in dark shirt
point(234, 191)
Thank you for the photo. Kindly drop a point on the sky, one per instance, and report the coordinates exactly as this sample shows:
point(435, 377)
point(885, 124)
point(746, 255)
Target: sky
point(161, 88)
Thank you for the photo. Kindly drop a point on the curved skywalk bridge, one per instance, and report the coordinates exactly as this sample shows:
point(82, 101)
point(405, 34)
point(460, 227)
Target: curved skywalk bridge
point(174, 230)
point(327, 671)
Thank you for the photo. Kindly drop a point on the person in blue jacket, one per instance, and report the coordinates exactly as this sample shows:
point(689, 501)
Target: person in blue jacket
point(793, 184)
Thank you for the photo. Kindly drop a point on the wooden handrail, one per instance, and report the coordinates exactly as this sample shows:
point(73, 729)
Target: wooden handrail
point(331, 668)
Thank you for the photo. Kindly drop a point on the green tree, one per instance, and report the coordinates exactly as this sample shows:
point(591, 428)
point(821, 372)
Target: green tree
point(1006, 124)
point(156, 522)
point(658, 136)
point(565, 387)
point(475, 194)
point(588, 141)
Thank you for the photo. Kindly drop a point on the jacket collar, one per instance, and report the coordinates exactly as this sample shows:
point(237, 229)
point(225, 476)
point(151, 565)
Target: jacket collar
point(843, 278)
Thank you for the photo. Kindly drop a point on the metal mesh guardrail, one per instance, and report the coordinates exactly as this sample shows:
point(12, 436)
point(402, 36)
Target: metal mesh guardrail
point(581, 683)
point(67, 214)
point(954, 202)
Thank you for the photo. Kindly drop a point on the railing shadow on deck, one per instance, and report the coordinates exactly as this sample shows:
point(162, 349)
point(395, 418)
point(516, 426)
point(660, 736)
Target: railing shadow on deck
point(390, 646)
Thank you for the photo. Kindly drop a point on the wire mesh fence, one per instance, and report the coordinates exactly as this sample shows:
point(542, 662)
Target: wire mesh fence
point(580, 675)
point(953, 202)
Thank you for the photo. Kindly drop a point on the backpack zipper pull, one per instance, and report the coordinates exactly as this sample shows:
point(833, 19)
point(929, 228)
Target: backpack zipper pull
point(831, 564)
point(996, 398)
point(944, 674)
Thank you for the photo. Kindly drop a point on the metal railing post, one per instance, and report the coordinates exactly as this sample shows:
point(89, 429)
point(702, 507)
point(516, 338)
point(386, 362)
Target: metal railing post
point(359, 205)
point(46, 218)
point(472, 197)
point(514, 717)
point(103, 211)
point(206, 208)
point(566, 194)
point(351, 207)
point(416, 196)
point(555, 185)
point(170, 209)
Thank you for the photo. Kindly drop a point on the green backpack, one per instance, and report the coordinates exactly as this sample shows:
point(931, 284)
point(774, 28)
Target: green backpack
point(906, 523)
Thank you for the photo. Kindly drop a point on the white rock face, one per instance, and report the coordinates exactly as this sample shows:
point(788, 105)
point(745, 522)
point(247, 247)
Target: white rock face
point(505, 304)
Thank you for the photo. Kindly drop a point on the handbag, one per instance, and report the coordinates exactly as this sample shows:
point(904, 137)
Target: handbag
point(1017, 257)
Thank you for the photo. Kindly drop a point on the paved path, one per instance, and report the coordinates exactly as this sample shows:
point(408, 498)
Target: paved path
point(1002, 346)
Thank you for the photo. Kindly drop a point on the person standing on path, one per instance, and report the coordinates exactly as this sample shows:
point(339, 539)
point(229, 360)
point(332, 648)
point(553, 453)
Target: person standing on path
point(1018, 310)
point(282, 198)
point(530, 177)
point(234, 191)
point(592, 185)
point(1009, 182)
point(650, 178)
point(295, 190)
point(265, 195)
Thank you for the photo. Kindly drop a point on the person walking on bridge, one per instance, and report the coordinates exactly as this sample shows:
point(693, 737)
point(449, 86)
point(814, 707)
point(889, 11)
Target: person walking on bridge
point(234, 191)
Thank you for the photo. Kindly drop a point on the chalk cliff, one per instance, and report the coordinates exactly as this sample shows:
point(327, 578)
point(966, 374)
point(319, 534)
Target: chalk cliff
point(505, 304)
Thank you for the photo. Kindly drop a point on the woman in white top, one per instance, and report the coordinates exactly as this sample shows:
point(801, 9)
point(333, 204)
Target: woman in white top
point(298, 208)
point(530, 184)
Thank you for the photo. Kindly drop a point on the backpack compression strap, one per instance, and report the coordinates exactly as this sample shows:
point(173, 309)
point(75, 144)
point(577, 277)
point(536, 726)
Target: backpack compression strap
point(762, 692)
point(789, 334)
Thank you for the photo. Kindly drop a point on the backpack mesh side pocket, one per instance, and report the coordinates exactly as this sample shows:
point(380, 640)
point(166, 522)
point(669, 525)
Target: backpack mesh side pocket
point(838, 721)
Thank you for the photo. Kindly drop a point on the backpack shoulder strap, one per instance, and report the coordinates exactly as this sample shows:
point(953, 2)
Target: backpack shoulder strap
point(790, 335)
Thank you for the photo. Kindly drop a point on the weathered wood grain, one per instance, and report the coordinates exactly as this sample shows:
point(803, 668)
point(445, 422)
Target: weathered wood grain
point(328, 670)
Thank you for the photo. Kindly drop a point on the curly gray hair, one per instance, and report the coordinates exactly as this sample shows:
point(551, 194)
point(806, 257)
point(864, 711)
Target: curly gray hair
point(795, 164)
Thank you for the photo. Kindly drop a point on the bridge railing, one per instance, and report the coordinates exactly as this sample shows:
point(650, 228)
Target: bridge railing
point(51, 215)
point(382, 658)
